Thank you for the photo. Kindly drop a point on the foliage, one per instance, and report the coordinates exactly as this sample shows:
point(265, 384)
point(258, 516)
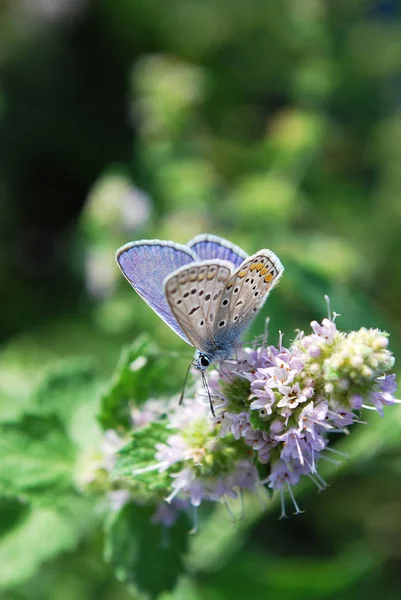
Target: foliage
point(44, 513)
point(273, 124)
point(143, 372)
point(136, 549)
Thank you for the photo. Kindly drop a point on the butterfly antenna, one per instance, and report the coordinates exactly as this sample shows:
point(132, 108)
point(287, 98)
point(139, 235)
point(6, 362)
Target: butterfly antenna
point(205, 385)
point(185, 382)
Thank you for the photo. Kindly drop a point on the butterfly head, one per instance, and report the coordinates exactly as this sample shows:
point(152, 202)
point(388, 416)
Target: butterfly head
point(201, 361)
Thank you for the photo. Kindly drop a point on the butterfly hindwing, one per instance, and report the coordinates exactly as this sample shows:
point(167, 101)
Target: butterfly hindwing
point(247, 290)
point(208, 246)
point(194, 293)
point(146, 264)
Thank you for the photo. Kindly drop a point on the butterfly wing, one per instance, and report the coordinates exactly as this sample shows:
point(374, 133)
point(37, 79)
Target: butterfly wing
point(145, 264)
point(245, 293)
point(193, 294)
point(208, 247)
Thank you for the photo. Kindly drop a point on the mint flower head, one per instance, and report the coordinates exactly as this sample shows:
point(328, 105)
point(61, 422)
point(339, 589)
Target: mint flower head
point(275, 410)
point(202, 465)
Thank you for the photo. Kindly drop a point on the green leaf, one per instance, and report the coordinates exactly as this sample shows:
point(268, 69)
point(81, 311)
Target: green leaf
point(65, 386)
point(71, 391)
point(35, 454)
point(143, 372)
point(139, 454)
point(135, 548)
point(41, 534)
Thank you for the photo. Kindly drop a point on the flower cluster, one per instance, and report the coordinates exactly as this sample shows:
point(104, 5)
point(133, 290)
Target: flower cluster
point(275, 409)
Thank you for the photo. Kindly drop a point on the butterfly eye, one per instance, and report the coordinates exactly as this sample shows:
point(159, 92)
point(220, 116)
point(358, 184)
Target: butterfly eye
point(204, 361)
point(263, 414)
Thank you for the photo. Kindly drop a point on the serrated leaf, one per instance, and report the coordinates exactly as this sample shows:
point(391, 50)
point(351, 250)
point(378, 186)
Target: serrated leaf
point(140, 451)
point(139, 454)
point(142, 372)
point(35, 454)
point(135, 547)
point(41, 534)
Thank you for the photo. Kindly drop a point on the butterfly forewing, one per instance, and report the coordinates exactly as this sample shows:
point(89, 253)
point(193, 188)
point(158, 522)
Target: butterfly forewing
point(247, 290)
point(145, 264)
point(194, 295)
point(208, 247)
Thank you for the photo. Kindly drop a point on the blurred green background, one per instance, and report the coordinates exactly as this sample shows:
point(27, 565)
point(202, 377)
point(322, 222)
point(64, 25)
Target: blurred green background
point(273, 123)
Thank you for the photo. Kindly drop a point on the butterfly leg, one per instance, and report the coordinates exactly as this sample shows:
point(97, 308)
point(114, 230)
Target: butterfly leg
point(208, 392)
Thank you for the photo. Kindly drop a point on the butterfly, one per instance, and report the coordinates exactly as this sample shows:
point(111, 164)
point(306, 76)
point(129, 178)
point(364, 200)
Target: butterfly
point(208, 291)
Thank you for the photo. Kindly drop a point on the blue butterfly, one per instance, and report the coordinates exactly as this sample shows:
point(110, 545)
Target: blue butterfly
point(207, 291)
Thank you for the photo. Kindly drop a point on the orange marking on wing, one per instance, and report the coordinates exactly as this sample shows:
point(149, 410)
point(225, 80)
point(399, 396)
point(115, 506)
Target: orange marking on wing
point(242, 274)
point(230, 285)
point(201, 277)
point(268, 278)
point(263, 271)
